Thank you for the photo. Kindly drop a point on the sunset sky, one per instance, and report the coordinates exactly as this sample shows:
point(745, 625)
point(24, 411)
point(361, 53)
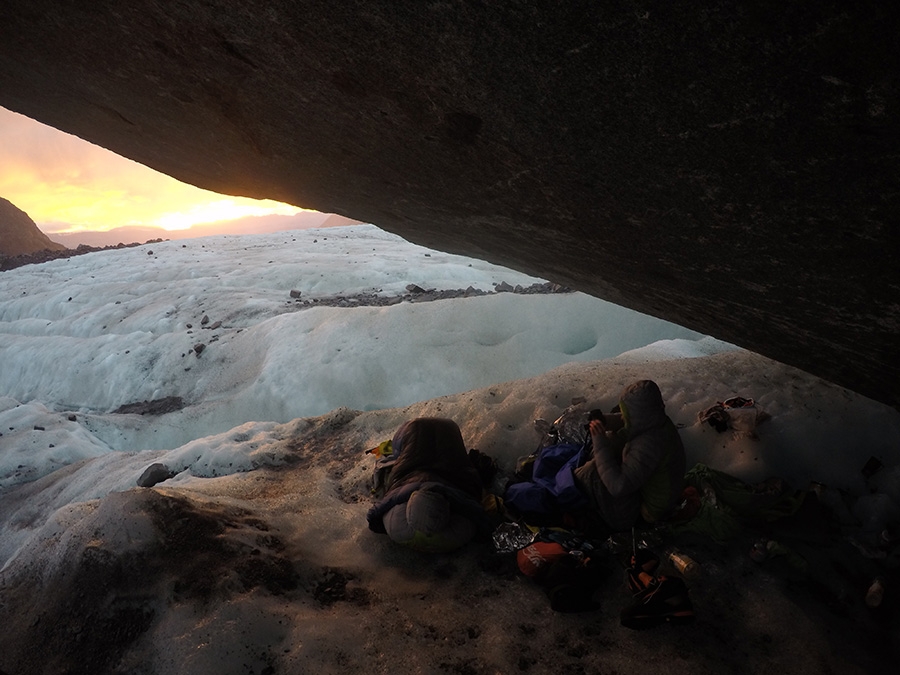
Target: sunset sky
point(67, 184)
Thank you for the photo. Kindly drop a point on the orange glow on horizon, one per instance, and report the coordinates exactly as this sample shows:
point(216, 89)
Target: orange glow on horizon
point(66, 184)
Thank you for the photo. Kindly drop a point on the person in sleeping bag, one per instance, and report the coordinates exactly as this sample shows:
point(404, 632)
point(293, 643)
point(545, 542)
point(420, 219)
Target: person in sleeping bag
point(433, 496)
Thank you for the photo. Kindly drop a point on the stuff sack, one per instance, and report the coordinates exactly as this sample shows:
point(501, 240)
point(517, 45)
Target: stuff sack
point(552, 488)
point(536, 557)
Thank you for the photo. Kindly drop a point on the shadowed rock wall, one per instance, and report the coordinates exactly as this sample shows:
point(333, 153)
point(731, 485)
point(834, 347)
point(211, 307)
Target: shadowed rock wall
point(729, 166)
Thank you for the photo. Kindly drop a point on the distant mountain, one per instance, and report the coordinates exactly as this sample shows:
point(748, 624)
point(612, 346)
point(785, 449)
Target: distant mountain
point(247, 225)
point(19, 235)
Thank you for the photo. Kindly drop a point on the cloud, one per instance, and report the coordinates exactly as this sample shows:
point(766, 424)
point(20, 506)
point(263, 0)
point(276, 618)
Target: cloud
point(67, 184)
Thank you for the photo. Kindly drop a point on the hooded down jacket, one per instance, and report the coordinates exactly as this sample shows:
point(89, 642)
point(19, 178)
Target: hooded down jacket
point(640, 470)
point(433, 497)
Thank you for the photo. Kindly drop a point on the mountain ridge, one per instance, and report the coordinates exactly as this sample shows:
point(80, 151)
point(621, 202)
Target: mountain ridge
point(20, 235)
point(248, 224)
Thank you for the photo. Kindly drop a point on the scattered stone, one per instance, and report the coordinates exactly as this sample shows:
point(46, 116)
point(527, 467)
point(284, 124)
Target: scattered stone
point(150, 252)
point(153, 474)
point(37, 428)
point(204, 320)
point(198, 348)
point(158, 406)
point(295, 294)
point(72, 418)
point(217, 324)
point(416, 293)
point(504, 287)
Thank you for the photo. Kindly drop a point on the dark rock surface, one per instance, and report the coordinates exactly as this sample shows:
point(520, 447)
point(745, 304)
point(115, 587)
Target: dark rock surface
point(158, 406)
point(730, 167)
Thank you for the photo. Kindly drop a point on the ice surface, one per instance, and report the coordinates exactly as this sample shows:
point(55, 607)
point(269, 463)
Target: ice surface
point(89, 334)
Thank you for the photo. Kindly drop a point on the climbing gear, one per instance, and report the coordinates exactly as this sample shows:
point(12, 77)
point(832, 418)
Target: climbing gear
point(657, 599)
point(664, 600)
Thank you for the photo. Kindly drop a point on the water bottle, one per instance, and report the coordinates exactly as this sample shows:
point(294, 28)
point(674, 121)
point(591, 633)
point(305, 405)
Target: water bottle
point(684, 564)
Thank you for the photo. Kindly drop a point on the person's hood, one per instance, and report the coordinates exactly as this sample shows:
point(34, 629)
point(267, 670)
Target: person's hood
point(642, 407)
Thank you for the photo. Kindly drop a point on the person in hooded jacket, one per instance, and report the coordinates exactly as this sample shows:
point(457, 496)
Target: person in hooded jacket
point(636, 471)
point(432, 501)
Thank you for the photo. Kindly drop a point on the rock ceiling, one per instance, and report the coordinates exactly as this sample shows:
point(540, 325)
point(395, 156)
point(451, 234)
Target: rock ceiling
point(734, 167)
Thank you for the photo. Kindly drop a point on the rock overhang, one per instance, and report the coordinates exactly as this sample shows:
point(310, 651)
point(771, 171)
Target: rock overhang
point(732, 169)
